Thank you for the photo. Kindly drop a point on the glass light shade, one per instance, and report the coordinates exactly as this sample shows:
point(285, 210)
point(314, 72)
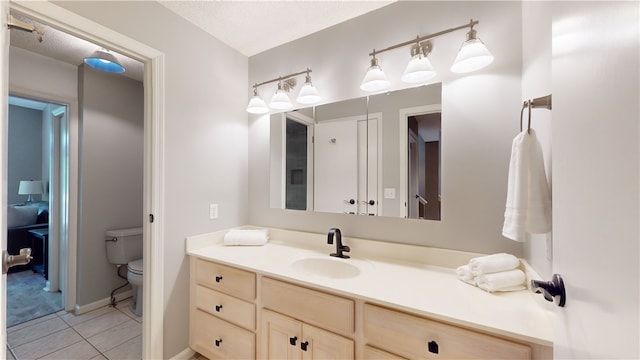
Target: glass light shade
point(280, 100)
point(374, 79)
point(104, 61)
point(257, 106)
point(473, 55)
point(308, 94)
point(419, 69)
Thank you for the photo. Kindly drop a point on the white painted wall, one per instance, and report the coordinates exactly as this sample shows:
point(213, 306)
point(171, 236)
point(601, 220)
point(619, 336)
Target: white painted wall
point(596, 177)
point(205, 137)
point(111, 170)
point(536, 82)
point(480, 117)
point(40, 74)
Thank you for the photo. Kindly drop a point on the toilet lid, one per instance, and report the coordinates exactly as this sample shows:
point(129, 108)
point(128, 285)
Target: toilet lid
point(136, 266)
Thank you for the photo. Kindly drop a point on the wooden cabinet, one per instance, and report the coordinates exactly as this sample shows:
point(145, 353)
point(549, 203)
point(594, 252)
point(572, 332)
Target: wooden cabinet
point(238, 314)
point(286, 338)
point(421, 338)
point(222, 311)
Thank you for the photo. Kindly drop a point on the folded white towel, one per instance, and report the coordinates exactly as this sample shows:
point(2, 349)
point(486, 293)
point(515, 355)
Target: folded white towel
point(493, 263)
point(528, 207)
point(246, 237)
point(464, 273)
point(511, 280)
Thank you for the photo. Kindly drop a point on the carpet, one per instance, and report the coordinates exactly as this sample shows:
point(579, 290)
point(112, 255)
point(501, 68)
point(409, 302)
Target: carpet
point(26, 300)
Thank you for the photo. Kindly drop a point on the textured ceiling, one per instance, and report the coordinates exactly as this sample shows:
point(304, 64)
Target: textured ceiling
point(252, 27)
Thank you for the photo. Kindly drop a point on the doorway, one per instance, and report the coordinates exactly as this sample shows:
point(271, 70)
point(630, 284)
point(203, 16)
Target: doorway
point(153, 60)
point(37, 149)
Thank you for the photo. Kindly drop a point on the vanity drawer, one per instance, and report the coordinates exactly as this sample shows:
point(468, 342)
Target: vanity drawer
point(327, 311)
point(226, 307)
point(420, 338)
point(226, 279)
point(216, 338)
point(371, 353)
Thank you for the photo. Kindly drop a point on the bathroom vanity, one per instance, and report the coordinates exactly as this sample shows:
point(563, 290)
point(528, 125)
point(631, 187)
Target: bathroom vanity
point(290, 299)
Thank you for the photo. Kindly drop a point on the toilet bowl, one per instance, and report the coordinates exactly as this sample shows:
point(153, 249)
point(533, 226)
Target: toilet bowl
point(134, 276)
point(124, 247)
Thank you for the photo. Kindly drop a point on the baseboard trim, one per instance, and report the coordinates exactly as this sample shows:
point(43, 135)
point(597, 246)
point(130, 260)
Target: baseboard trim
point(81, 309)
point(185, 354)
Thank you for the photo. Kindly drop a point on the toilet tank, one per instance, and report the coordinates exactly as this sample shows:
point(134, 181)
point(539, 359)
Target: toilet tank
point(123, 245)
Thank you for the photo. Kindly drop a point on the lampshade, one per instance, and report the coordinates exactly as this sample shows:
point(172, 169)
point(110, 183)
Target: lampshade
point(308, 93)
point(30, 187)
point(419, 68)
point(473, 55)
point(104, 61)
point(374, 79)
point(256, 104)
point(280, 100)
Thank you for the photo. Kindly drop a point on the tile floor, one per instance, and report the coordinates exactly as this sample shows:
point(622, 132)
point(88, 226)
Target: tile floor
point(105, 333)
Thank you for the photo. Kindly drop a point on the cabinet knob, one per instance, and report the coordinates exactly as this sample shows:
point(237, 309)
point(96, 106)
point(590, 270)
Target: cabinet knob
point(304, 345)
point(218, 279)
point(292, 340)
point(432, 346)
point(218, 308)
point(218, 342)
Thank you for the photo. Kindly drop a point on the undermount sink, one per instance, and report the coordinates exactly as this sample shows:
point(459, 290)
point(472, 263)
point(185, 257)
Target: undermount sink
point(326, 267)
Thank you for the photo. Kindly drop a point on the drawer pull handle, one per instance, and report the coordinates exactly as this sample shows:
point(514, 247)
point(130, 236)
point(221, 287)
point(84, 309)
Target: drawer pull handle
point(218, 308)
point(218, 279)
point(292, 340)
point(433, 347)
point(218, 342)
point(304, 345)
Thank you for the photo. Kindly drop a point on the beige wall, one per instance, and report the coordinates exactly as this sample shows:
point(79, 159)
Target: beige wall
point(479, 117)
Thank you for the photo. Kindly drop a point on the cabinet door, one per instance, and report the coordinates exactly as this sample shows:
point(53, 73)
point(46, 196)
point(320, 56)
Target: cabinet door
point(321, 344)
point(281, 336)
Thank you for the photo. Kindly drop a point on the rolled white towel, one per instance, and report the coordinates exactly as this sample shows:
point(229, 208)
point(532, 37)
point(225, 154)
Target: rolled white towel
point(464, 273)
point(246, 237)
point(511, 280)
point(493, 263)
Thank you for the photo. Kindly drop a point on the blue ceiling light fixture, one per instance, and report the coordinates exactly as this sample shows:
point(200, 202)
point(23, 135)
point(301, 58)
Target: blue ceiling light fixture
point(103, 60)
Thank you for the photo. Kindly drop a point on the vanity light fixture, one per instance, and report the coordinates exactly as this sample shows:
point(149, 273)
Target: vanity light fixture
point(256, 104)
point(473, 55)
point(103, 60)
point(280, 101)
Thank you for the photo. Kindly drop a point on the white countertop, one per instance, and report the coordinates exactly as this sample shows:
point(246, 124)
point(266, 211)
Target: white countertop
point(429, 290)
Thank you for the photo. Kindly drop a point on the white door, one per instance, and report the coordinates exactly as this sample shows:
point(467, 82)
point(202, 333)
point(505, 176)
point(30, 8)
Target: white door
point(336, 167)
point(368, 167)
point(4, 116)
point(596, 165)
point(412, 176)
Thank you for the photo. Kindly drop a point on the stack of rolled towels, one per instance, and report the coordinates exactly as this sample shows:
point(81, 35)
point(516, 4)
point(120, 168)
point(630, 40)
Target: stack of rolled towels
point(497, 272)
point(246, 237)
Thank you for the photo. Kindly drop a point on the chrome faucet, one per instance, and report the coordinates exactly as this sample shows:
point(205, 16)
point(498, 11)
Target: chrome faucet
point(339, 247)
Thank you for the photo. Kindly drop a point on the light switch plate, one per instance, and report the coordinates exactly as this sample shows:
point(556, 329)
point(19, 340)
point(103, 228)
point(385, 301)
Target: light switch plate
point(389, 193)
point(213, 211)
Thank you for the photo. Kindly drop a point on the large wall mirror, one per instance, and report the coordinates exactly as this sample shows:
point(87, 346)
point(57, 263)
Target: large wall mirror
point(373, 156)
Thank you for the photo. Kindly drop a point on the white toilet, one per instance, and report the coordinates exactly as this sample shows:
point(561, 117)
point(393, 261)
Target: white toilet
point(124, 246)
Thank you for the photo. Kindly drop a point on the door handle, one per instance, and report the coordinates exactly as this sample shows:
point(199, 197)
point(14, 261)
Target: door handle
point(12, 260)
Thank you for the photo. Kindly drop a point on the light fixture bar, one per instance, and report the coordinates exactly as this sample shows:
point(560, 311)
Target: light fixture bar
point(419, 39)
point(282, 78)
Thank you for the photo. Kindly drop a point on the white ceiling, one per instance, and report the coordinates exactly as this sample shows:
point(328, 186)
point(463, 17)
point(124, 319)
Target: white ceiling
point(250, 27)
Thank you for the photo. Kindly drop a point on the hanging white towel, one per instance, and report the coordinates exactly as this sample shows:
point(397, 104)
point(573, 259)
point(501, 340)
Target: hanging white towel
point(246, 237)
point(511, 280)
point(528, 207)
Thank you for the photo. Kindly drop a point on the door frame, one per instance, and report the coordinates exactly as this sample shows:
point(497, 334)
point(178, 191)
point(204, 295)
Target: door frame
point(74, 24)
point(403, 118)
